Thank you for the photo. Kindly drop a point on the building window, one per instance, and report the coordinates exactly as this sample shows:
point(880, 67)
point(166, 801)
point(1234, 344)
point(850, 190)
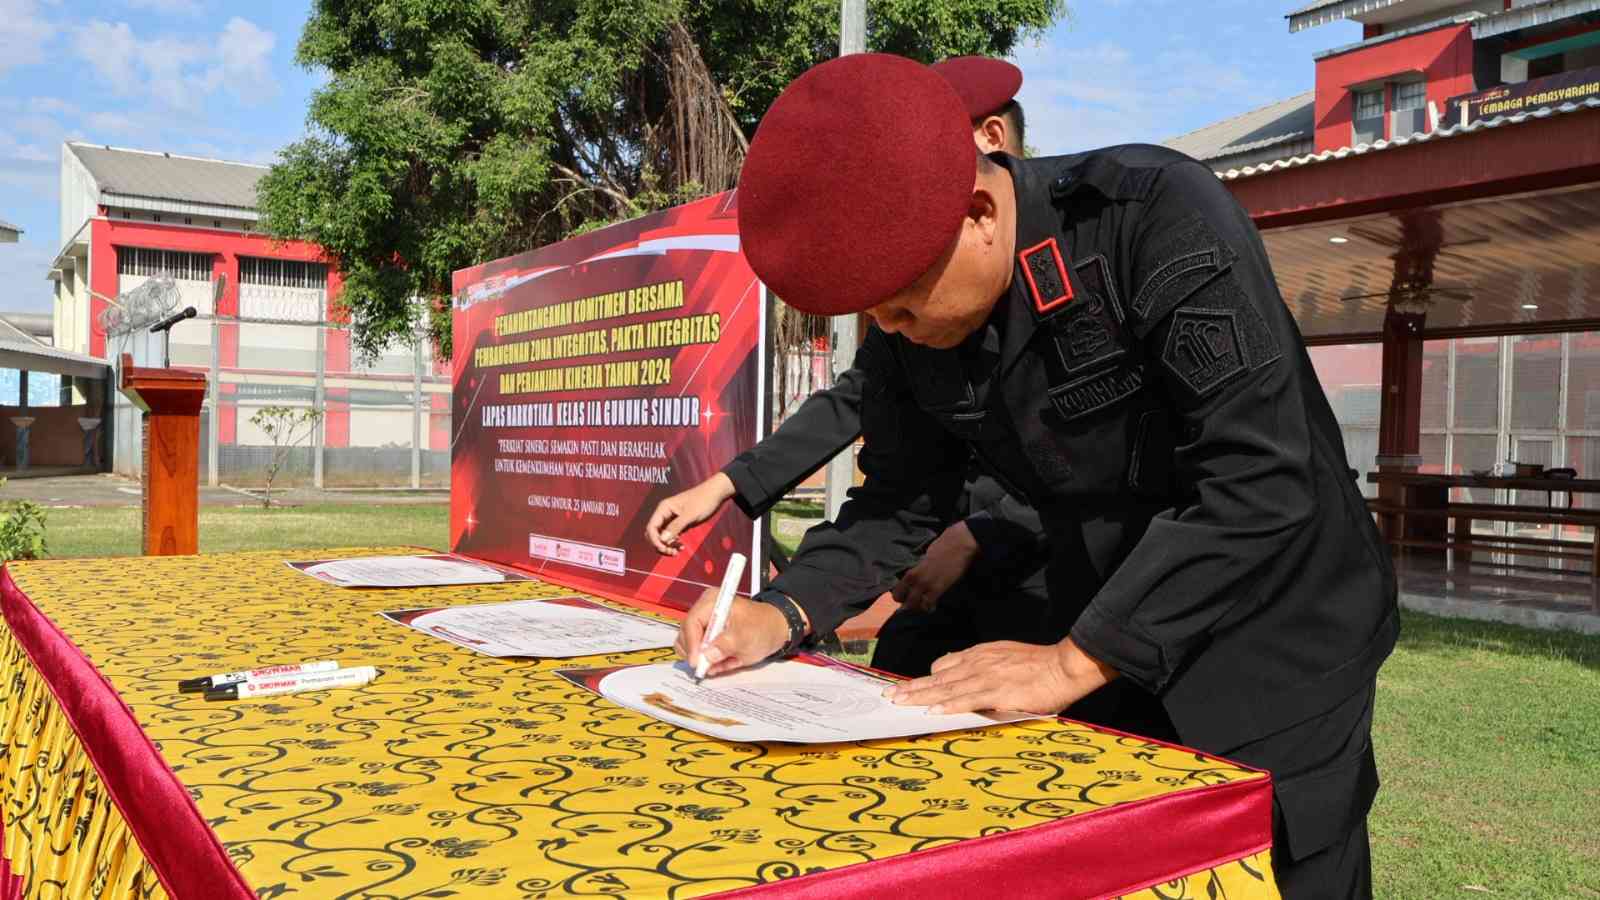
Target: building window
point(1410, 109)
point(282, 273)
point(171, 263)
point(1368, 116)
point(1410, 95)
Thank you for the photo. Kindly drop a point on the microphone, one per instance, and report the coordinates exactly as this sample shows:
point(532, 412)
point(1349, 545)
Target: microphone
point(187, 313)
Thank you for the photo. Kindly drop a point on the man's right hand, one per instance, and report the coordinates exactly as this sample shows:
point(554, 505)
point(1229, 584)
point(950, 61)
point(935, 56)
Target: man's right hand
point(754, 631)
point(680, 512)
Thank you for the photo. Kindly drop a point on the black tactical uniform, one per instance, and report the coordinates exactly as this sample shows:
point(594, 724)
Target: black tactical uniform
point(1145, 388)
point(1001, 597)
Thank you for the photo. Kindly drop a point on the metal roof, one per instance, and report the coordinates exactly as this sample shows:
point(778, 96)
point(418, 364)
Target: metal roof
point(165, 176)
point(1530, 15)
point(1276, 123)
point(19, 350)
point(1418, 138)
point(1324, 11)
point(8, 231)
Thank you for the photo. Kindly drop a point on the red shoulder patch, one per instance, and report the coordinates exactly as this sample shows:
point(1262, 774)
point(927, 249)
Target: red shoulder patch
point(1046, 274)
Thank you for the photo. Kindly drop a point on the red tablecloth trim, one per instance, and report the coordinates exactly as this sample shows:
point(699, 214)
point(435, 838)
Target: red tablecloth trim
point(10, 882)
point(1079, 856)
point(185, 853)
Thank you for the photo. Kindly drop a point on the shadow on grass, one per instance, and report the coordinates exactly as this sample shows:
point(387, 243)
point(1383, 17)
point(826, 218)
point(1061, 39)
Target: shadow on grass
point(1423, 633)
point(798, 509)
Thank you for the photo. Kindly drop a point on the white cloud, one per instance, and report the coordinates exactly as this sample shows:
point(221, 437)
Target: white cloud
point(180, 72)
point(27, 168)
point(22, 269)
point(170, 7)
point(247, 59)
point(1082, 97)
point(24, 34)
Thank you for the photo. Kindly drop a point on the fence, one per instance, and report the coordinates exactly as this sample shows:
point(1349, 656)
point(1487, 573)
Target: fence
point(383, 423)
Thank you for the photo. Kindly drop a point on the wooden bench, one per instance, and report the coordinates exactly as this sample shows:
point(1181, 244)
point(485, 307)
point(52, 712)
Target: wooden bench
point(1461, 542)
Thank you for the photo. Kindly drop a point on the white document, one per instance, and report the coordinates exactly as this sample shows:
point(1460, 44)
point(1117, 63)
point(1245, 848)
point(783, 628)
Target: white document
point(560, 627)
point(806, 700)
point(404, 571)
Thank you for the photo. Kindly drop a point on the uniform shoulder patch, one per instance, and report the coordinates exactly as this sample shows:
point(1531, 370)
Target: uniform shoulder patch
point(1193, 256)
point(1203, 349)
point(1046, 274)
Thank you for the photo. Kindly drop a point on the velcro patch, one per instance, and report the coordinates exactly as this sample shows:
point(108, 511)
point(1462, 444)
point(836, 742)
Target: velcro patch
point(1193, 257)
point(1046, 275)
point(1095, 392)
point(1203, 349)
point(1088, 335)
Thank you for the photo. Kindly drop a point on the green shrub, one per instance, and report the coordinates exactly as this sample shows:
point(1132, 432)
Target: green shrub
point(21, 530)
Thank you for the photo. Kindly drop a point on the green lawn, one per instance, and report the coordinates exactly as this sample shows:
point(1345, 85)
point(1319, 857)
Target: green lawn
point(115, 531)
point(1488, 736)
point(1488, 740)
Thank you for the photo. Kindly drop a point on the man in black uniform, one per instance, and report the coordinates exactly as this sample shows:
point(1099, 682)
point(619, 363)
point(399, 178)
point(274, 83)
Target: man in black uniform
point(1105, 331)
point(982, 578)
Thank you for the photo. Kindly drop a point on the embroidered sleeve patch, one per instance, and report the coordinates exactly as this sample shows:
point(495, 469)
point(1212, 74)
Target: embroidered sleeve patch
point(1087, 336)
point(1046, 275)
point(1203, 349)
point(1193, 257)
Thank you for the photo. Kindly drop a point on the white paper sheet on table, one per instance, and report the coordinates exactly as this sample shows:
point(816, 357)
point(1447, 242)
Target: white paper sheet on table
point(807, 700)
point(559, 628)
point(434, 570)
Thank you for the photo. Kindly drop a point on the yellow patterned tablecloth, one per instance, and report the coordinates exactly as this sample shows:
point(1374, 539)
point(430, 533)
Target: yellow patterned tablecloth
point(456, 775)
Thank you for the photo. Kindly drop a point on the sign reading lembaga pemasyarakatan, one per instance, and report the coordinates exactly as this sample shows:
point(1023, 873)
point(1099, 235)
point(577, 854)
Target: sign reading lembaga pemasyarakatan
point(593, 379)
point(1511, 99)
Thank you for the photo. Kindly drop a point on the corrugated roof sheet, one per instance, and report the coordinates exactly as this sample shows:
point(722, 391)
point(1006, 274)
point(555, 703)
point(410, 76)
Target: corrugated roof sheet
point(1418, 138)
point(167, 177)
point(7, 226)
point(1313, 7)
point(1325, 11)
point(1530, 15)
point(1275, 123)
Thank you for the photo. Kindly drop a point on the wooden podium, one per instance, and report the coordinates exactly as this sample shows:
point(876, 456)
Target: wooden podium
point(171, 400)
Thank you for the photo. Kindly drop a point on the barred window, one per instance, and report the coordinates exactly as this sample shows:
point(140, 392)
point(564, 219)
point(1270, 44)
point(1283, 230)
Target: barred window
point(1410, 95)
point(282, 273)
point(1369, 104)
point(171, 263)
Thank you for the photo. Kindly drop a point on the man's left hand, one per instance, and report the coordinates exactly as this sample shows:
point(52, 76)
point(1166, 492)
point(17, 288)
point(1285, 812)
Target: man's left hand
point(1006, 675)
point(947, 559)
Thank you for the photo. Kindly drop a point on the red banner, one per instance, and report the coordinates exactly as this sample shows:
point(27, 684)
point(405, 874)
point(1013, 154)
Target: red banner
point(593, 379)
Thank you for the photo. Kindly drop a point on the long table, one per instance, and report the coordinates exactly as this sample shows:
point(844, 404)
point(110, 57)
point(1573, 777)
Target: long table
point(456, 775)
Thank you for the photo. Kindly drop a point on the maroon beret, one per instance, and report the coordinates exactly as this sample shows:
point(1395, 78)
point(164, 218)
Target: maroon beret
point(984, 84)
point(856, 183)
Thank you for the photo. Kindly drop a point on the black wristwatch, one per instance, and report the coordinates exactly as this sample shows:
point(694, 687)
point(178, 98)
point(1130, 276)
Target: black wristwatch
point(791, 614)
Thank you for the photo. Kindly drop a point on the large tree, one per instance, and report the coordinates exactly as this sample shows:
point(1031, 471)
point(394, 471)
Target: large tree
point(455, 131)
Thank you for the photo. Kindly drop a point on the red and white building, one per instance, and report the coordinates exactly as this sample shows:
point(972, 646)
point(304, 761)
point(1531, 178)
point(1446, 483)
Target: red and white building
point(1432, 210)
point(271, 338)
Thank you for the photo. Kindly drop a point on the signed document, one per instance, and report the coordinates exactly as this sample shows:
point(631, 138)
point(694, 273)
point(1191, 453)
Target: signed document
point(435, 570)
point(560, 627)
point(806, 700)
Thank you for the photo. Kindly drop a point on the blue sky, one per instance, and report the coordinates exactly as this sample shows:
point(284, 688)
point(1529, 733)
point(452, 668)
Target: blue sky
point(217, 78)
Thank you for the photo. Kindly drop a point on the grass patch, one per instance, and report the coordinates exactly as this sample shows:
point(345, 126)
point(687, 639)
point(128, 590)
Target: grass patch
point(110, 531)
point(1488, 741)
